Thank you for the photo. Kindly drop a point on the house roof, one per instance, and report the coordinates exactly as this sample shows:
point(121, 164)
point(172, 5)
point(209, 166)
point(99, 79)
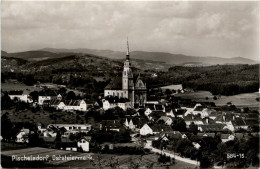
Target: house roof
point(72, 102)
point(239, 135)
point(187, 104)
point(210, 121)
point(212, 127)
point(160, 128)
point(206, 134)
point(180, 112)
point(171, 134)
point(191, 117)
point(164, 118)
point(199, 108)
point(213, 113)
point(251, 122)
point(15, 92)
point(115, 84)
point(111, 123)
point(224, 136)
point(115, 99)
point(227, 116)
point(238, 122)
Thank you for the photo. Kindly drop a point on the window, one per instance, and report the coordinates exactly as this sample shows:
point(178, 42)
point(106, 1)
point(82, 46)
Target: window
point(70, 127)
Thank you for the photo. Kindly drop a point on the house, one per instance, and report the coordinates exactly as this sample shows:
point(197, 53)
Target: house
point(111, 125)
point(196, 119)
point(154, 129)
point(111, 102)
point(196, 145)
point(129, 124)
point(46, 95)
point(227, 137)
point(72, 127)
point(23, 136)
point(155, 115)
point(79, 105)
point(170, 114)
point(20, 95)
point(211, 127)
point(171, 135)
point(148, 111)
point(225, 118)
point(179, 112)
point(205, 112)
point(206, 135)
point(83, 143)
point(197, 109)
point(213, 114)
point(166, 120)
point(239, 123)
point(146, 129)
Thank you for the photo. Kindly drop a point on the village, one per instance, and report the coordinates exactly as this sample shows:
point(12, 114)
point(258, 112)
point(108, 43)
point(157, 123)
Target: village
point(126, 120)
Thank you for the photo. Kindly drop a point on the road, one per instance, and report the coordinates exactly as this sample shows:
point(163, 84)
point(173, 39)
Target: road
point(170, 154)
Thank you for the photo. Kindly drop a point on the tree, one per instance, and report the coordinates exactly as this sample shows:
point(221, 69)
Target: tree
point(193, 128)
point(179, 125)
point(71, 96)
point(168, 92)
point(34, 95)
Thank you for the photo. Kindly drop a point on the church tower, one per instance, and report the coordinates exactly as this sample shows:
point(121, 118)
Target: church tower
point(127, 77)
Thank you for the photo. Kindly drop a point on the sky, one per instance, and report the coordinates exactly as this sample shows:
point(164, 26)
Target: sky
point(223, 29)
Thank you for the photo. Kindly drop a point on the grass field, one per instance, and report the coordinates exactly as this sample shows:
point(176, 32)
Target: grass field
point(246, 99)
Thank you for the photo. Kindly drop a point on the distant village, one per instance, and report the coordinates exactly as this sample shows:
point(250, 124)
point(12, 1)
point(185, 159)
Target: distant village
point(166, 124)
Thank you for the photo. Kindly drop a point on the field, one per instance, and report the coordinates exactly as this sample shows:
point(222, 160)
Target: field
point(104, 159)
point(28, 89)
point(44, 117)
point(241, 100)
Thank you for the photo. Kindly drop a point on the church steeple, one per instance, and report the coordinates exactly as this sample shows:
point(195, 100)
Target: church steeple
point(127, 52)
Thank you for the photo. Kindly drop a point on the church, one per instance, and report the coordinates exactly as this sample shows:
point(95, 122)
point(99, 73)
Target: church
point(128, 86)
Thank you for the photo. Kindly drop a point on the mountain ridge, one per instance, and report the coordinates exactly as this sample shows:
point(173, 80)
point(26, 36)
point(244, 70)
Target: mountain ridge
point(168, 58)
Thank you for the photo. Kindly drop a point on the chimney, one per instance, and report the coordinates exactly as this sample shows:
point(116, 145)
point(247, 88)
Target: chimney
point(233, 117)
point(207, 120)
point(224, 118)
point(114, 122)
point(192, 117)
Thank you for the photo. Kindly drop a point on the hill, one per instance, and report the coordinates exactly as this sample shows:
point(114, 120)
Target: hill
point(173, 59)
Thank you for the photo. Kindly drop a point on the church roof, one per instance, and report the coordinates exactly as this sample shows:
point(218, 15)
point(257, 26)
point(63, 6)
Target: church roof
point(115, 84)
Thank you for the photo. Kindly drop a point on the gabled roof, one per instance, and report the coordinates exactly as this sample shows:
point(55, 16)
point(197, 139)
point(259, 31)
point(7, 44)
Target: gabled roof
point(238, 122)
point(72, 102)
point(191, 117)
point(171, 135)
point(160, 128)
point(212, 127)
point(15, 92)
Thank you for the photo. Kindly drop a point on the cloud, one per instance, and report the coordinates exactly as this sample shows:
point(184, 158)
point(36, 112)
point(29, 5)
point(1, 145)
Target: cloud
point(177, 27)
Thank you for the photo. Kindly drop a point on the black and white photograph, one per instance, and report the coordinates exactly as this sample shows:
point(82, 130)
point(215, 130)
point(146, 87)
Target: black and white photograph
point(130, 84)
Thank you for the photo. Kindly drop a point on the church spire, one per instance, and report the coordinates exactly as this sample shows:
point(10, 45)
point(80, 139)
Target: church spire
point(127, 53)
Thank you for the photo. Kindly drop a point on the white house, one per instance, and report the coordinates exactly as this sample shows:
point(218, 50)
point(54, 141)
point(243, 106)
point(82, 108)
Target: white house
point(46, 95)
point(109, 104)
point(145, 130)
point(227, 137)
point(20, 95)
point(170, 114)
point(23, 136)
point(79, 127)
point(79, 105)
point(84, 143)
point(148, 111)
